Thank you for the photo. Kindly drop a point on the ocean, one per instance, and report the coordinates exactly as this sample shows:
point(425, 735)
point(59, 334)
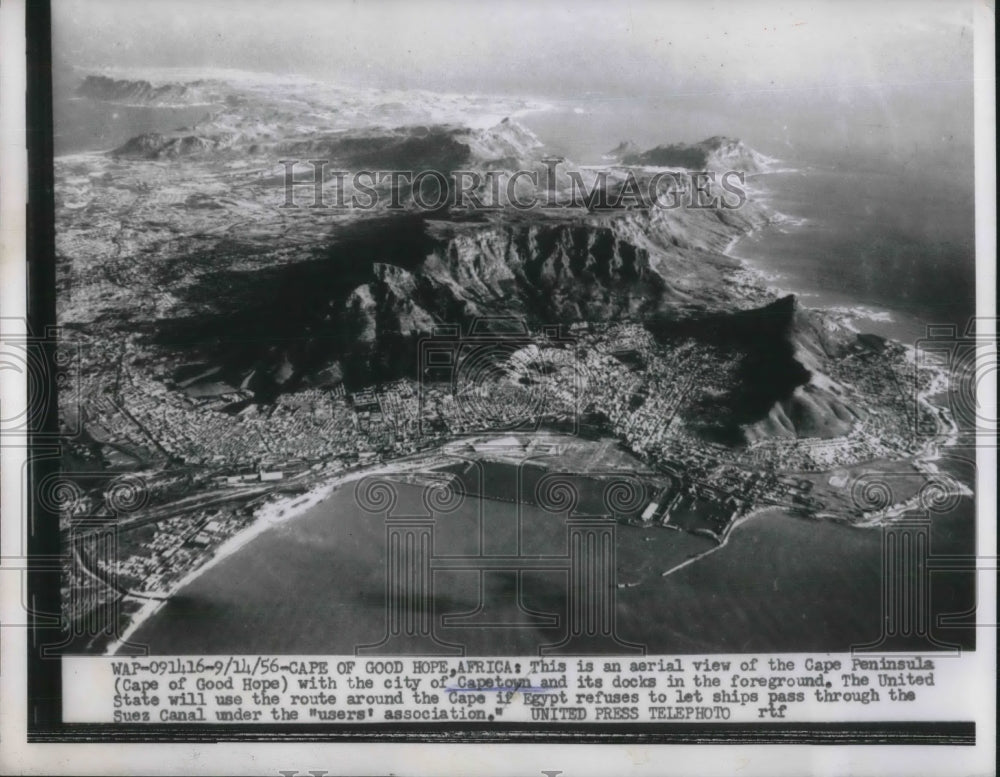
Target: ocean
point(317, 584)
point(898, 250)
point(876, 225)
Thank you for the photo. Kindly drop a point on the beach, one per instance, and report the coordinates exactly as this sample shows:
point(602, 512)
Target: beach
point(266, 517)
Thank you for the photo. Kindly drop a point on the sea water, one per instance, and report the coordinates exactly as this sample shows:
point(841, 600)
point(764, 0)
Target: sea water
point(897, 250)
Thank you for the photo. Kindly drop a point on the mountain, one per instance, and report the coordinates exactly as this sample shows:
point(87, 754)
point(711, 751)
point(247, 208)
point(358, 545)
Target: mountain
point(716, 153)
point(367, 286)
point(363, 301)
point(777, 387)
point(158, 146)
point(258, 115)
point(362, 307)
point(506, 143)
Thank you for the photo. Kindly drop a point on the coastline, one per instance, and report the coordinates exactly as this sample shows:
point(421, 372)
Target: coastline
point(782, 258)
point(767, 281)
point(271, 514)
point(725, 537)
point(948, 432)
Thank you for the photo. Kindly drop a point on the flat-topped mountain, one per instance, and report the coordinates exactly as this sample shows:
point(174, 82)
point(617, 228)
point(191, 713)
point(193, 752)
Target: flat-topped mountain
point(364, 302)
point(365, 299)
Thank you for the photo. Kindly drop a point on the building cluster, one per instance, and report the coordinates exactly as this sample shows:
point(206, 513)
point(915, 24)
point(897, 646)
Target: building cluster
point(640, 388)
point(153, 558)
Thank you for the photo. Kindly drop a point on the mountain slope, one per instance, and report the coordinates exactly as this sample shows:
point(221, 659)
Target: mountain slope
point(777, 387)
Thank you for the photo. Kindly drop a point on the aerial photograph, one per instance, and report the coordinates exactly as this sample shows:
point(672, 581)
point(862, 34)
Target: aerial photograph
point(521, 328)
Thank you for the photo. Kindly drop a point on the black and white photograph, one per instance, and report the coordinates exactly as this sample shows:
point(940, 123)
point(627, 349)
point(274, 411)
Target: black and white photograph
point(536, 360)
point(309, 289)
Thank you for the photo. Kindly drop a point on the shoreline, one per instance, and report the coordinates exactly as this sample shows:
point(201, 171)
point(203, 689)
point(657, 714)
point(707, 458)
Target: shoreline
point(870, 317)
point(948, 432)
point(767, 281)
point(270, 514)
point(724, 540)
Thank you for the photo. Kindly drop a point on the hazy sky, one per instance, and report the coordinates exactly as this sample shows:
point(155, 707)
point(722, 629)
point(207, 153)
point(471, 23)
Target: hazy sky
point(522, 46)
point(903, 65)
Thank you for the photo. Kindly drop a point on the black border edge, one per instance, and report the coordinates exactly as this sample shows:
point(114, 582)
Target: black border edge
point(951, 733)
point(42, 531)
